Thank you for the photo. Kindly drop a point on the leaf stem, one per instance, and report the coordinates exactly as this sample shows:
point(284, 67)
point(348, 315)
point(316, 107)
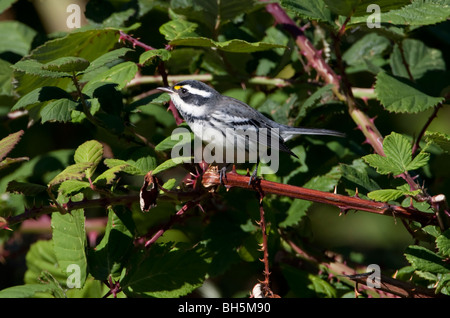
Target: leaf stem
point(425, 127)
point(405, 63)
point(186, 207)
point(86, 110)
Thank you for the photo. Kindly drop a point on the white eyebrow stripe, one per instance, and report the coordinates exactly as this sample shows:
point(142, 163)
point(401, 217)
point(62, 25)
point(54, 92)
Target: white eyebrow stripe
point(197, 91)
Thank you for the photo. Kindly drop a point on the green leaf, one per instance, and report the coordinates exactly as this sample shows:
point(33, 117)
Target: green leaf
point(419, 161)
point(398, 149)
point(304, 284)
point(313, 100)
point(149, 57)
point(236, 46)
point(400, 97)
point(9, 161)
point(298, 209)
point(440, 139)
point(109, 57)
point(25, 188)
point(369, 47)
point(6, 78)
point(58, 110)
point(174, 139)
point(35, 68)
point(314, 10)
point(178, 29)
point(443, 243)
point(212, 13)
point(9, 142)
point(142, 159)
point(70, 187)
point(88, 45)
point(359, 7)
point(359, 176)
point(72, 172)
point(26, 291)
point(5, 4)
point(40, 95)
point(343, 7)
point(69, 242)
point(385, 195)
point(89, 152)
point(109, 175)
point(141, 163)
point(111, 254)
point(171, 163)
point(418, 13)
point(67, 64)
point(419, 58)
point(41, 258)
point(123, 166)
point(382, 164)
point(165, 272)
point(398, 156)
point(16, 37)
point(423, 259)
point(120, 74)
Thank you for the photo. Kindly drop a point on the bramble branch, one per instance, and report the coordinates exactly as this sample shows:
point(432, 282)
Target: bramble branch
point(340, 82)
point(161, 69)
point(315, 59)
point(344, 203)
point(340, 268)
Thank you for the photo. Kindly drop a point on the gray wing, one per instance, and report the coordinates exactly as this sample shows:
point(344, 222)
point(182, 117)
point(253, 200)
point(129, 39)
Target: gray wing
point(249, 124)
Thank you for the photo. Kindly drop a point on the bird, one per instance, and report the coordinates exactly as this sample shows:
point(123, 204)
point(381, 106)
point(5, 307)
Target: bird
point(227, 123)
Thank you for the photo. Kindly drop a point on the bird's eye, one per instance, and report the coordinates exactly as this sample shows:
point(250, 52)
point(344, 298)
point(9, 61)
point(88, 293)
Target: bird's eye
point(183, 91)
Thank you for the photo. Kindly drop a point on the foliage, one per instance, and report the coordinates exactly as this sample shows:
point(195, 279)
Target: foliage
point(84, 125)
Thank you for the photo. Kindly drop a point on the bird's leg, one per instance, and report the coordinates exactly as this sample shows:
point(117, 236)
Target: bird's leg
point(223, 173)
point(254, 175)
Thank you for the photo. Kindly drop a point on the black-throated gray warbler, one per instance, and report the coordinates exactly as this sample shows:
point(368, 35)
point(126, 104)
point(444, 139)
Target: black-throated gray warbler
point(230, 124)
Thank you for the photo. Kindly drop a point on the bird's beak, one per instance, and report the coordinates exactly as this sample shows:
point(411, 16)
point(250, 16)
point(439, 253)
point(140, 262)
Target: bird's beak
point(165, 89)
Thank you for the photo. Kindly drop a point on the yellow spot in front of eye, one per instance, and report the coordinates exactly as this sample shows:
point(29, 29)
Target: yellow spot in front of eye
point(177, 87)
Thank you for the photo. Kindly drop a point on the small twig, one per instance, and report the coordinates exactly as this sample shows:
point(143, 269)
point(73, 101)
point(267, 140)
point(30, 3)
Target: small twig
point(425, 127)
point(135, 42)
point(161, 69)
point(114, 287)
point(189, 205)
point(58, 206)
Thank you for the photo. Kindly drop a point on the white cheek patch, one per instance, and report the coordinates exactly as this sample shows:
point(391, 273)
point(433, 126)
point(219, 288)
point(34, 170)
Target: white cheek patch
point(196, 91)
point(190, 109)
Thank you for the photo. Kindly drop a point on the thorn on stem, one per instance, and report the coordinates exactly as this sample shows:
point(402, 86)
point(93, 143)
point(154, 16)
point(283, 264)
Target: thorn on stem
point(343, 211)
point(200, 207)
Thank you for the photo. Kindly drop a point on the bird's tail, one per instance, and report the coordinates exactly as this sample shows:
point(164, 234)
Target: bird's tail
point(290, 132)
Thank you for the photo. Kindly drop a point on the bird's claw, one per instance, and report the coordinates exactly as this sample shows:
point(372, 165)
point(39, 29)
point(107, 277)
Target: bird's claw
point(254, 177)
point(222, 175)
